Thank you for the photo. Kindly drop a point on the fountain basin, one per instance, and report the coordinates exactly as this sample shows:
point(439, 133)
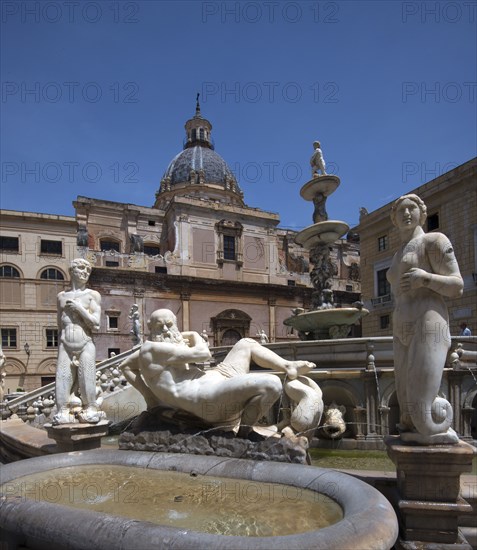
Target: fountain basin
point(369, 520)
point(320, 321)
point(321, 233)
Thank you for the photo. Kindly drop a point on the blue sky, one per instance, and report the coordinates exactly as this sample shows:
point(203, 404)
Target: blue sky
point(95, 96)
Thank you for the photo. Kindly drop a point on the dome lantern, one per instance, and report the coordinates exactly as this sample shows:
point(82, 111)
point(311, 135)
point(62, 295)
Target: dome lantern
point(198, 130)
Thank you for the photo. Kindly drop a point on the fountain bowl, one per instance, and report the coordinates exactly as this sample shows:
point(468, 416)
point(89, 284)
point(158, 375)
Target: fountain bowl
point(319, 322)
point(369, 520)
point(324, 184)
point(321, 233)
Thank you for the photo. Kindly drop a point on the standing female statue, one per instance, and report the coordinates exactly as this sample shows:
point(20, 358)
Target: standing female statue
point(423, 271)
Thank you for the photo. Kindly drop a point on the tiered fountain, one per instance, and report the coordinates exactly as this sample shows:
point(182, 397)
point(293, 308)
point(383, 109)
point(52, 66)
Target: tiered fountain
point(324, 320)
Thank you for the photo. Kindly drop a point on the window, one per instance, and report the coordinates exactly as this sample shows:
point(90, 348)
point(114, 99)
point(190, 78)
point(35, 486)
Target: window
point(47, 293)
point(229, 247)
point(106, 245)
point(201, 134)
point(113, 322)
point(112, 264)
point(11, 290)
point(52, 274)
point(45, 380)
point(384, 322)
point(433, 222)
point(113, 351)
point(152, 223)
point(51, 247)
point(160, 269)
point(230, 241)
point(384, 287)
point(51, 337)
point(152, 249)
point(9, 244)
point(382, 243)
point(8, 272)
point(349, 288)
point(291, 282)
point(9, 338)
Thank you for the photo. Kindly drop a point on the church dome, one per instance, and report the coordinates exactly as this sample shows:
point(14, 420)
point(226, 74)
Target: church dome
point(198, 171)
point(199, 160)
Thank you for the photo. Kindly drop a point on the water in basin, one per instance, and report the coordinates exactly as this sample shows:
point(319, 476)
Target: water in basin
point(213, 505)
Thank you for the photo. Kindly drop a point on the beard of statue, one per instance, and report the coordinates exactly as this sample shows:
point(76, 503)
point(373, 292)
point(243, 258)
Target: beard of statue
point(171, 336)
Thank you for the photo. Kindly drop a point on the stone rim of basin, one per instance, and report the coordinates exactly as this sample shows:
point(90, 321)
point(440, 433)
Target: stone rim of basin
point(369, 519)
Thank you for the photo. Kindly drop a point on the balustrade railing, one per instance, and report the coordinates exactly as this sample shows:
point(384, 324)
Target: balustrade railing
point(42, 400)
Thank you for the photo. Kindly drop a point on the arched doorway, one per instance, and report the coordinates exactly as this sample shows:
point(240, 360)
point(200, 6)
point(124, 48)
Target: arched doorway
point(230, 337)
point(230, 326)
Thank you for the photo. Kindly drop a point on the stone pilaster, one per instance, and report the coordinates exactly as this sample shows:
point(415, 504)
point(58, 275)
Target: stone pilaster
point(359, 417)
point(272, 302)
point(185, 299)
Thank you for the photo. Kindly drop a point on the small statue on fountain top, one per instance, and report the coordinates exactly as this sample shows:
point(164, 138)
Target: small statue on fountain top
point(317, 161)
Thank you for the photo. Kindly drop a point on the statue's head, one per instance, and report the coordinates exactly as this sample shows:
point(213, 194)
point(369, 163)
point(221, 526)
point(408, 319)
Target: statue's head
point(81, 268)
point(162, 316)
point(163, 326)
point(316, 145)
point(415, 199)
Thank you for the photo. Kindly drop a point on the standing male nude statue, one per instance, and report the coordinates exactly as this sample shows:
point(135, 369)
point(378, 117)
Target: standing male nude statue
point(79, 311)
point(228, 395)
point(317, 161)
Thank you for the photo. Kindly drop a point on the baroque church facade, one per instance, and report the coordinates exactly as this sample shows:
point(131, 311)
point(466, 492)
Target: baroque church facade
point(226, 269)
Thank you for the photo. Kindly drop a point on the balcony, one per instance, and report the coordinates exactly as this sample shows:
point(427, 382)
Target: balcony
point(385, 300)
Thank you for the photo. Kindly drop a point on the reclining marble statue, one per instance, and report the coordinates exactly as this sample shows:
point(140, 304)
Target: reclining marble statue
point(422, 273)
point(79, 311)
point(229, 395)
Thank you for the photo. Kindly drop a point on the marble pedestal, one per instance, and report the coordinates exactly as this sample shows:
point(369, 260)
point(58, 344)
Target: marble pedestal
point(78, 437)
point(427, 499)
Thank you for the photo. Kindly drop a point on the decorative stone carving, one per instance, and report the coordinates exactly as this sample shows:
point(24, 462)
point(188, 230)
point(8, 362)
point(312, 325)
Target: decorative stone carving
point(262, 336)
point(320, 214)
point(333, 421)
point(354, 274)
point(228, 395)
point(201, 176)
point(422, 273)
point(79, 311)
point(137, 243)
point(135, 318)
point(82, 236)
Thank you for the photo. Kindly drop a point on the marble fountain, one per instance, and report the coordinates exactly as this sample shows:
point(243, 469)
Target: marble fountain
point(108, 499)
point(139, 498)
point(324, 320)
